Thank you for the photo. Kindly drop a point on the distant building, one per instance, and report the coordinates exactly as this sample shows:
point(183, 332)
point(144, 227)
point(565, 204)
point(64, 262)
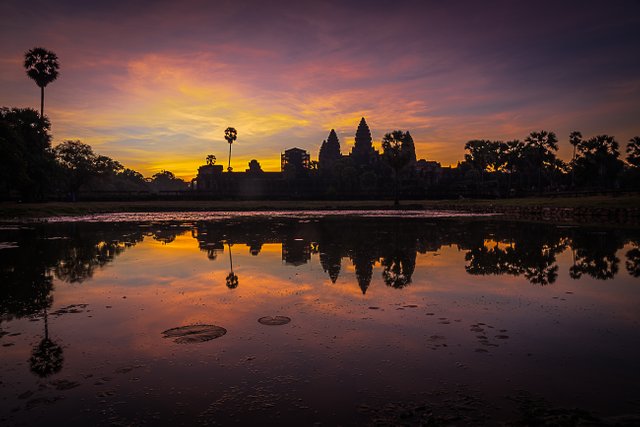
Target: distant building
point(295, 160)
point(208, 178)
point(429, 171)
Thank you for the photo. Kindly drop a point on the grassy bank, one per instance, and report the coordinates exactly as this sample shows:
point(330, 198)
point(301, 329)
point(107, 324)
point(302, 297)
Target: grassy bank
point(40, 210)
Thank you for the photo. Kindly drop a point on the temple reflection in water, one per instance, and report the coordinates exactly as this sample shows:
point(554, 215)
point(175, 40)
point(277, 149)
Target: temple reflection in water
point(73, 252)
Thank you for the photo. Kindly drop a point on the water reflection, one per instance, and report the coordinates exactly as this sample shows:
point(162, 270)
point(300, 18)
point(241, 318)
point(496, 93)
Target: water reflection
point(633, 261)
point(72, 253)
point(366, 307)
point(232, 278)
point(46, 357)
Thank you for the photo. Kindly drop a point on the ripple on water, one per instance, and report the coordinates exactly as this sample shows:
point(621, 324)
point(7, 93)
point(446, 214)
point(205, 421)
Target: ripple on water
point(274, 320)
point(190, 334)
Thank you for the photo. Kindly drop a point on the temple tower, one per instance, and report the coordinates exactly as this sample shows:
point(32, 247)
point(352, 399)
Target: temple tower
point(329, 152)
point(362, 152)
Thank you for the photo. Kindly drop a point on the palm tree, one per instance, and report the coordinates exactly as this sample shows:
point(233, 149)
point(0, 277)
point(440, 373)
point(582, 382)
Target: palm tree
point(42, 67)
point(230, 134)
point(211, 160)
point(575, 138)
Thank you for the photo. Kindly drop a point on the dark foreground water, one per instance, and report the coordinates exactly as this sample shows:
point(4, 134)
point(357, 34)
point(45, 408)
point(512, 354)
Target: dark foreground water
point(301, 319)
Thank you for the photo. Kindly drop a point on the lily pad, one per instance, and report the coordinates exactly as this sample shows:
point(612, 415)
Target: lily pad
point(274, 320)
point(190, 334)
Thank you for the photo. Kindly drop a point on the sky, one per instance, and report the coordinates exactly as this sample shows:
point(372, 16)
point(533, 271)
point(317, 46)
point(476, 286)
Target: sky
point(153, 84)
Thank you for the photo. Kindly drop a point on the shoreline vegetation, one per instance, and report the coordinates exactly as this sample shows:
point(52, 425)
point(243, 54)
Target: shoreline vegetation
point(622, 209)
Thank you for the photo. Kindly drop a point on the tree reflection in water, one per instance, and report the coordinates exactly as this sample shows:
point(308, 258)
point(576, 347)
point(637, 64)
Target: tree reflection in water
point(232, 278)
point(46, 357)
point(399, 260)
point(73, 252)
point(633, 261)
point(594, 254)
point(529, 252)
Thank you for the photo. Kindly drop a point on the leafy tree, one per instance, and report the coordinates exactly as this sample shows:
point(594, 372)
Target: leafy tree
point(397, 152)
point(230, 134)
point(81, 167)
point(486, 155)
point(542, 145)
point(167, 181)
point(78, 162)
point(597, 161)
point(26, 160)
point(104, 165)
point(42, 67)
point(512, 158)
point(633, 151)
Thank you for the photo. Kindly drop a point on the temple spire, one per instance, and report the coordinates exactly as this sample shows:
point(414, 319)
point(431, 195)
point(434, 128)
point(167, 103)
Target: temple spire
point(329, 151)
point(362, 151)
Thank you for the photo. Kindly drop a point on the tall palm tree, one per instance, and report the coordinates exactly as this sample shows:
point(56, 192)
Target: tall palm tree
point(575, 138)
point(42, 67)
point(230, 134)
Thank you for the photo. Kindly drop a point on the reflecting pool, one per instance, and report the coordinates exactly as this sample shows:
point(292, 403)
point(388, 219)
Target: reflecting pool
point(332, 319)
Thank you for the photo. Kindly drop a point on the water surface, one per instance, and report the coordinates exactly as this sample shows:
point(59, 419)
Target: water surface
point(317, 318)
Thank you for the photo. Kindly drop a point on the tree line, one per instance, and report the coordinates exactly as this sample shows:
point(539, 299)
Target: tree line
point(33, 170)
point(532, 164)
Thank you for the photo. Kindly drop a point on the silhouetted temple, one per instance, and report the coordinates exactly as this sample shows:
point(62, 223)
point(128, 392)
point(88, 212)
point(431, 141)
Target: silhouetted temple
point(362, 173)
point(362, 152)
point(329, 152)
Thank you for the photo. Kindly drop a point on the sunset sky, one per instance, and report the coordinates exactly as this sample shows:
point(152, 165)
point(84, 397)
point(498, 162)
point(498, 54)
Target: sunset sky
point(154, 84)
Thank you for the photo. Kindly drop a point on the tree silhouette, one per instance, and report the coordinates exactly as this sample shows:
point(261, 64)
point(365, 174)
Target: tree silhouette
point(230, 134)
point(78, 163)
point(232, 278)
point(633, 262)
point(597, 162)
point(46, 357)
point(211, 160)
point(42, 67)
point(27, 163)
point(167, 181)
point(512, 158)
point(543, 144)
point(396, 148)
point(633, 151)
point(575, 138)
point(484, 155)
point(595, 256)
